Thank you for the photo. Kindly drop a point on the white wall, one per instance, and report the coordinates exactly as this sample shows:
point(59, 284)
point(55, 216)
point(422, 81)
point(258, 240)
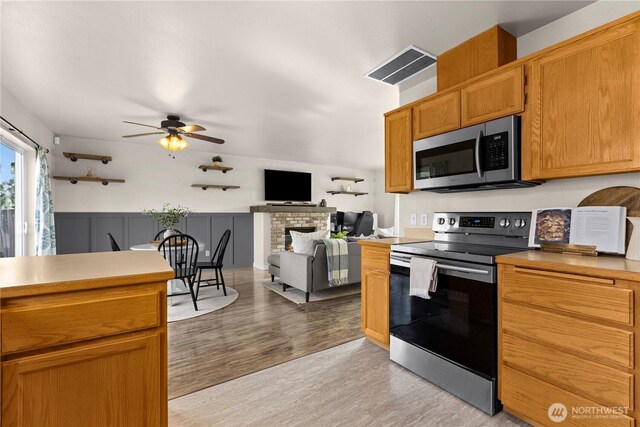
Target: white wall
point(153, 177)
point(383, 203)
point(13, 110)
point(565, 192)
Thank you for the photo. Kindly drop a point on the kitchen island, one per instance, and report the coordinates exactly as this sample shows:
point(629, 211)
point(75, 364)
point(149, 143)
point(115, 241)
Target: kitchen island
point(84, 339)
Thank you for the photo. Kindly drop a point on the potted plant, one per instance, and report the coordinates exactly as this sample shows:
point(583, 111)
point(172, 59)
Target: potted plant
point(168, 217)
point(216, 160)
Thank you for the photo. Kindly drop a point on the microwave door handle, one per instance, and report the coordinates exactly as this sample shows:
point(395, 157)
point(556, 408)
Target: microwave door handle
point(477, 154)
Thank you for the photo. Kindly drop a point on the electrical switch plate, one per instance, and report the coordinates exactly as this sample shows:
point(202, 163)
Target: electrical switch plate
point(424, 219)
point(414, 219)
point(206, 253)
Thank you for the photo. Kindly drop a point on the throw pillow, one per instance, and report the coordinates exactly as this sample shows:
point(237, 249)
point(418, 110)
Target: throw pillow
point(303, 242)
point(386, 232)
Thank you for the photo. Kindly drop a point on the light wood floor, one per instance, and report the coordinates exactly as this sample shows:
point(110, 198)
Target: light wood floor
point(354, 384)
point(259, 330)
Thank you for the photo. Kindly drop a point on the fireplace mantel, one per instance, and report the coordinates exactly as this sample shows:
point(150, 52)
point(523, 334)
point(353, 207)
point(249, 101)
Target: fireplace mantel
point(291, 209)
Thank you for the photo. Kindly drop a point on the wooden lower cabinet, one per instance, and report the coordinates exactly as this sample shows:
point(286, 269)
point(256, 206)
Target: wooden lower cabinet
point(567, 347)
point(90, 350)
point(375, 295)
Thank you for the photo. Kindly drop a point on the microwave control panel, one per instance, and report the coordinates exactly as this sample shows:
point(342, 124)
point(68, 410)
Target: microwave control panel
point(496, 148)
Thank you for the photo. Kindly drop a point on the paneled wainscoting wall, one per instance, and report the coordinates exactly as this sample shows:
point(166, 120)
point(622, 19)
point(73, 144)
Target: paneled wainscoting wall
point(87, 232)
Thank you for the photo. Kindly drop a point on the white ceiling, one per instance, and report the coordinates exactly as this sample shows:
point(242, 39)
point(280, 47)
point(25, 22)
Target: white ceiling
point(274, 79)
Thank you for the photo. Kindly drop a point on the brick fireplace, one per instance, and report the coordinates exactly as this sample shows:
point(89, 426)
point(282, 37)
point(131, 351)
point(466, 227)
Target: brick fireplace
point(270, 224)
point(283, 221)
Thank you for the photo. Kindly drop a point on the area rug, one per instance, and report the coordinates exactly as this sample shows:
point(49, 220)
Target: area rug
point(297, 296)
point(209, 299)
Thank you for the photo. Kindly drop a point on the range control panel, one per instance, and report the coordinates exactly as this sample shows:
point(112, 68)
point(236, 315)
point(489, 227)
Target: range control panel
point(495, 223)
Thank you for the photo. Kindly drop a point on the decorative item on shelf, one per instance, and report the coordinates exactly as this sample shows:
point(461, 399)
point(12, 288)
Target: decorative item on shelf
point(75, 156)
point(90, 172)
point(216, 160)
point(633, 250)
point(346, 187)
point(323, 203)
point(168, 217)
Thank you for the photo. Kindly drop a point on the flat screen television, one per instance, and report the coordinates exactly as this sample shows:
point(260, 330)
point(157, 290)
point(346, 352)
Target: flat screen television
point(285, 186)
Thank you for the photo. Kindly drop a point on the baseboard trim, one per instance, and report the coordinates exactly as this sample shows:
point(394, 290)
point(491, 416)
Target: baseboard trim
point(263, 267)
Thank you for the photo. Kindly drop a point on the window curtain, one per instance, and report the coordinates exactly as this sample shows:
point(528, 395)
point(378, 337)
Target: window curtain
point(44, 223)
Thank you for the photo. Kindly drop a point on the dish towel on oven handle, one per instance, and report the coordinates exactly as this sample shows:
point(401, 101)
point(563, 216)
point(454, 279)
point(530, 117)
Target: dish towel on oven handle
point(423, 277)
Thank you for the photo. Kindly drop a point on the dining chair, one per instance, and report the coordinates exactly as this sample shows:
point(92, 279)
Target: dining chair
point(113, 243)
point(215, 264)
point(161, 232)
point(181, 251)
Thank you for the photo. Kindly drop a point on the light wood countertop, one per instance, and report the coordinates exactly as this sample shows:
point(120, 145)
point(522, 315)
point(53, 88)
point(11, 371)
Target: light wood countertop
point(605, 266)
point(385, 243)
point(60, 273)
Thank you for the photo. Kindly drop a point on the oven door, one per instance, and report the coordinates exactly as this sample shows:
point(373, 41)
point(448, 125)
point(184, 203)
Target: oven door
point(458, 323)
point(449, 160)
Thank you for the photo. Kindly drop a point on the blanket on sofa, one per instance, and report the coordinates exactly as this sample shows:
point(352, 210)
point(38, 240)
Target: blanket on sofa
point(337, 261)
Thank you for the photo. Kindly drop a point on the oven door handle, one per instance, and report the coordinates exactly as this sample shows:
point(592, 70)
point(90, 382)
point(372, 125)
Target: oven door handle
point(477, 154)
point(461, 269)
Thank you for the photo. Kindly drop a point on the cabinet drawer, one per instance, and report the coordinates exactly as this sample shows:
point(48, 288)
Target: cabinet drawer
point(532, 398)
point(602, 384)
point(375, 260)
point(438, 114)
point(571, 293)
point(500, 95)
point(57, 322)
point(588, 338)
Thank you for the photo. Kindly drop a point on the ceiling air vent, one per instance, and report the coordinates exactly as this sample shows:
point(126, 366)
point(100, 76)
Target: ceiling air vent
point(403, 65)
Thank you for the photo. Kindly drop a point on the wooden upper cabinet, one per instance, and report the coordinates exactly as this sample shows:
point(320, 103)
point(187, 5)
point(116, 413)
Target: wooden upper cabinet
point(585, 99)
point(498, 95)
point(437, 114)
point(398, 152)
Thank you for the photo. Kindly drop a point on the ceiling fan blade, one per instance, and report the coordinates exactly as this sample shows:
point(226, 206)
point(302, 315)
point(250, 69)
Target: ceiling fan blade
point(142, 134)
point(141, 124)
point(205, 138)
point(191, 128)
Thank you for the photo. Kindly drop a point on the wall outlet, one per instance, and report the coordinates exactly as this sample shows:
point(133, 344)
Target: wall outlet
point(414, 219)
point(424, 219)
point(206, 253)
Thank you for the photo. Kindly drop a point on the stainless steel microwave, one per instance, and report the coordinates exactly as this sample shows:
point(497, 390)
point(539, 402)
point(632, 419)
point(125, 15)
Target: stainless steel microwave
point(480, 157)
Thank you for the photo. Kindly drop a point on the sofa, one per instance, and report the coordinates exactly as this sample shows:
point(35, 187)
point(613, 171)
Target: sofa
point(309, 272)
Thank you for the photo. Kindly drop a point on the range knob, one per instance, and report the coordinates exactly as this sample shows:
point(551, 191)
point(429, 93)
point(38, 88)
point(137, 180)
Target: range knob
point(441, 221)
point(504, 222)
point(520, 222)
point(452, 221)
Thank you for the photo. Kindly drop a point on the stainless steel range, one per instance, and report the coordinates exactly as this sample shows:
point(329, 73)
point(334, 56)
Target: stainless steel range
point(451, 338)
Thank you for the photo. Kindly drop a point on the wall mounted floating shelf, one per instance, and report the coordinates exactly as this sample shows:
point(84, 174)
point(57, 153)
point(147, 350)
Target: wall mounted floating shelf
point(75, 179)
point(343, 178)
point(353, 193)
point(221, 187)
point(224, 169)
point(75, 156)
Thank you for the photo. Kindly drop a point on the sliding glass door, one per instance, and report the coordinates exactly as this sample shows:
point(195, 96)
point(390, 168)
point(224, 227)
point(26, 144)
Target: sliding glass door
point(12, 206)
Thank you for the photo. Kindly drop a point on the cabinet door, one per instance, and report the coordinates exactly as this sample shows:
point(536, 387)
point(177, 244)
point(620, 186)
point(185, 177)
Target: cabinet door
point(117, 383)
point(437, 114)
point(375, 306)
point(498, 95)
point(398, 152)
point(586, 106)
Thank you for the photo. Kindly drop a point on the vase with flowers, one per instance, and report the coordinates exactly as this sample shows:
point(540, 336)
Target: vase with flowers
point(168, 217)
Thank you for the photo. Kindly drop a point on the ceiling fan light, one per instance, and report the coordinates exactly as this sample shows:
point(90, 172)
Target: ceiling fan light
point(173, 143)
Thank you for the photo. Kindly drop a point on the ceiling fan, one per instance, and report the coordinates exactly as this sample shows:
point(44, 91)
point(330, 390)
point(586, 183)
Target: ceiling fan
point(175, 131)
